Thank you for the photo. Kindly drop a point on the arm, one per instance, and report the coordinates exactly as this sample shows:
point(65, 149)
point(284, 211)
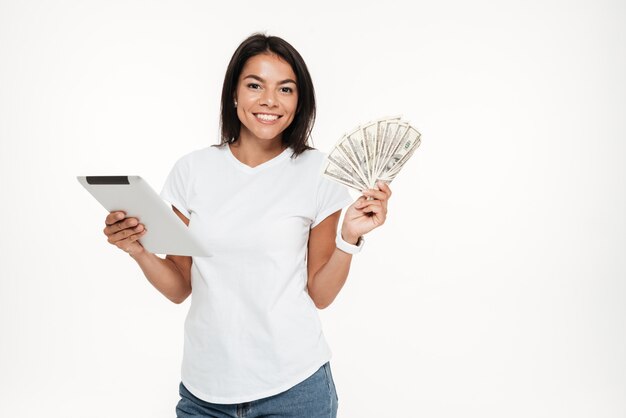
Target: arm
point(170, 276)
point(328, 266)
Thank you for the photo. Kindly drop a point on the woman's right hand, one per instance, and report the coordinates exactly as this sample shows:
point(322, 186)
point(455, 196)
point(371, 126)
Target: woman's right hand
point(124, 232)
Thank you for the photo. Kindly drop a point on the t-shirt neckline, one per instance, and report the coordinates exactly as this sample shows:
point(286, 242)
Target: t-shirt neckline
point(269, 163)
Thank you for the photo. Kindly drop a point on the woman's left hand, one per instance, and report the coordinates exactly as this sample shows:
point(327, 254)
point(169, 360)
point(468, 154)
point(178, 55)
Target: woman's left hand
point(364, 215)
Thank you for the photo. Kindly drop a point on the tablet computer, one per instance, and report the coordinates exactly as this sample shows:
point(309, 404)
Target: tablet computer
point(167, 233)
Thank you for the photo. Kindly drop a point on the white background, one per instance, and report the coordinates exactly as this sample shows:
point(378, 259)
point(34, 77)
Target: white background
point(497, 286)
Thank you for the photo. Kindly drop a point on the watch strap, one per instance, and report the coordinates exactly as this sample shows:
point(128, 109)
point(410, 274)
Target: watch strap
point(347, 247)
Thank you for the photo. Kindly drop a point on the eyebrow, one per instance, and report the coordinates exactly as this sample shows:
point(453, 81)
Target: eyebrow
point(256, 77)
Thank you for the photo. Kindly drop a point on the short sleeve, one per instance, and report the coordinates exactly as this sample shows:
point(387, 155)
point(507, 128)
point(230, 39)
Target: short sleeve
point(176, 185)
point(331, 197)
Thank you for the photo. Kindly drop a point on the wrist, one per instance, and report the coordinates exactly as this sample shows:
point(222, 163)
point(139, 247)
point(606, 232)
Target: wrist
point(137, 255)
point(349, 238)
point(349, 247)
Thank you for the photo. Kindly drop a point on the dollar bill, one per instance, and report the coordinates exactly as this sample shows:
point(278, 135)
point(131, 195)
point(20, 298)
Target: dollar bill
point(389, 133)
point(372, 140)
point(381, 126)
point(355, 144)
point(403, 151)
point(347, 150)
point(358, 143)
point(377, 150)
point(337, 174)
point(407, 155)
point(338, 158)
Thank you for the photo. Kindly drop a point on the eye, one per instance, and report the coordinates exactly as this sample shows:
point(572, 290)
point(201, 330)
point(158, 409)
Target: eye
point(254, 86)
point(286, 89)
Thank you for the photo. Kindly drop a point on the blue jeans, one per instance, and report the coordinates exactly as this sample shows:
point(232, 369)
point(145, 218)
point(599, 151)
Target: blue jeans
point(315, 397)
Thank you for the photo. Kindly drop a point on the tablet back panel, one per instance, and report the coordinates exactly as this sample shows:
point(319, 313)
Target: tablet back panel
point(167, 234)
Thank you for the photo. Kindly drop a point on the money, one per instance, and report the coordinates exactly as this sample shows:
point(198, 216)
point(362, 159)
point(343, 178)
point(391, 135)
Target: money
point(339, 175)
point(374, 151)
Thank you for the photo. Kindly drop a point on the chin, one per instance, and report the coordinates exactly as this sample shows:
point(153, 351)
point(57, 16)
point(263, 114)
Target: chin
point(269, 135)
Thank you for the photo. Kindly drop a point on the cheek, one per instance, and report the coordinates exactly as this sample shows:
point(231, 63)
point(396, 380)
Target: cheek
point(241, 115)
point(293, 104)
point(244, 95)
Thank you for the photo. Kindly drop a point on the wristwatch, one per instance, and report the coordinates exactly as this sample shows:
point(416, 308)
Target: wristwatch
point(347, 247)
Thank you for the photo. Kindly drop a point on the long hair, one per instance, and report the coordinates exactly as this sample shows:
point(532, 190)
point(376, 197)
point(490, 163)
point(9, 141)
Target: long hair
point(297, 134)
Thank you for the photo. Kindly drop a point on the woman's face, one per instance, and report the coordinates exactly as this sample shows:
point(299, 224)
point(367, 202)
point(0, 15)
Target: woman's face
point(267, 97)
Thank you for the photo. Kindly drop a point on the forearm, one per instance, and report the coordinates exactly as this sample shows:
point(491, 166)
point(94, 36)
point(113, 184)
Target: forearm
point(164, 276)
point(327, 282)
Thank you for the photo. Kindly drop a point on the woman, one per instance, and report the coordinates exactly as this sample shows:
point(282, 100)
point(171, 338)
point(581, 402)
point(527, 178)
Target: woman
point(253, 340)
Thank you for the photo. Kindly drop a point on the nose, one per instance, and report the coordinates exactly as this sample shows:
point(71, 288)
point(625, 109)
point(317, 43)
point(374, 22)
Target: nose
point(267, 98)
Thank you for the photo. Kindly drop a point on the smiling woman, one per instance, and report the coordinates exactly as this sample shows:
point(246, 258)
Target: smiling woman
point(274, 69)
point(266, 102)
point(253, 339)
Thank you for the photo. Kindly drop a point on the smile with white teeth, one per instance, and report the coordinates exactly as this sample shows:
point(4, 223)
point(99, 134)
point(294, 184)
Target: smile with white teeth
point(266, 117)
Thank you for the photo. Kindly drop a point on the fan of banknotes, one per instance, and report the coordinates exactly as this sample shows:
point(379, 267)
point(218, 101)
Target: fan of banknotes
point(374, 151)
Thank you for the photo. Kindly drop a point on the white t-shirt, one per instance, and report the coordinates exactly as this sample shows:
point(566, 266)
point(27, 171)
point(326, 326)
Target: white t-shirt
point(252, 330)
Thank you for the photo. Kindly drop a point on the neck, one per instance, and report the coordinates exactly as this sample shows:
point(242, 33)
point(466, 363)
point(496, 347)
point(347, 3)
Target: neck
point(256, 152)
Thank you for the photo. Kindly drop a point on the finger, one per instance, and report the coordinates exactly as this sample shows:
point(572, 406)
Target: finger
point(375, 206)
point(384, 187)
point(125, 233)
point(360, 202)
point(120, 226)
point(382, 199)
point(129, 243)
point(376, 213)
point(114, 217)
point(375, 194)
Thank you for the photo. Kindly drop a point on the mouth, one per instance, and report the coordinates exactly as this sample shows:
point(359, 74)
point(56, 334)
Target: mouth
point(267, 117)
